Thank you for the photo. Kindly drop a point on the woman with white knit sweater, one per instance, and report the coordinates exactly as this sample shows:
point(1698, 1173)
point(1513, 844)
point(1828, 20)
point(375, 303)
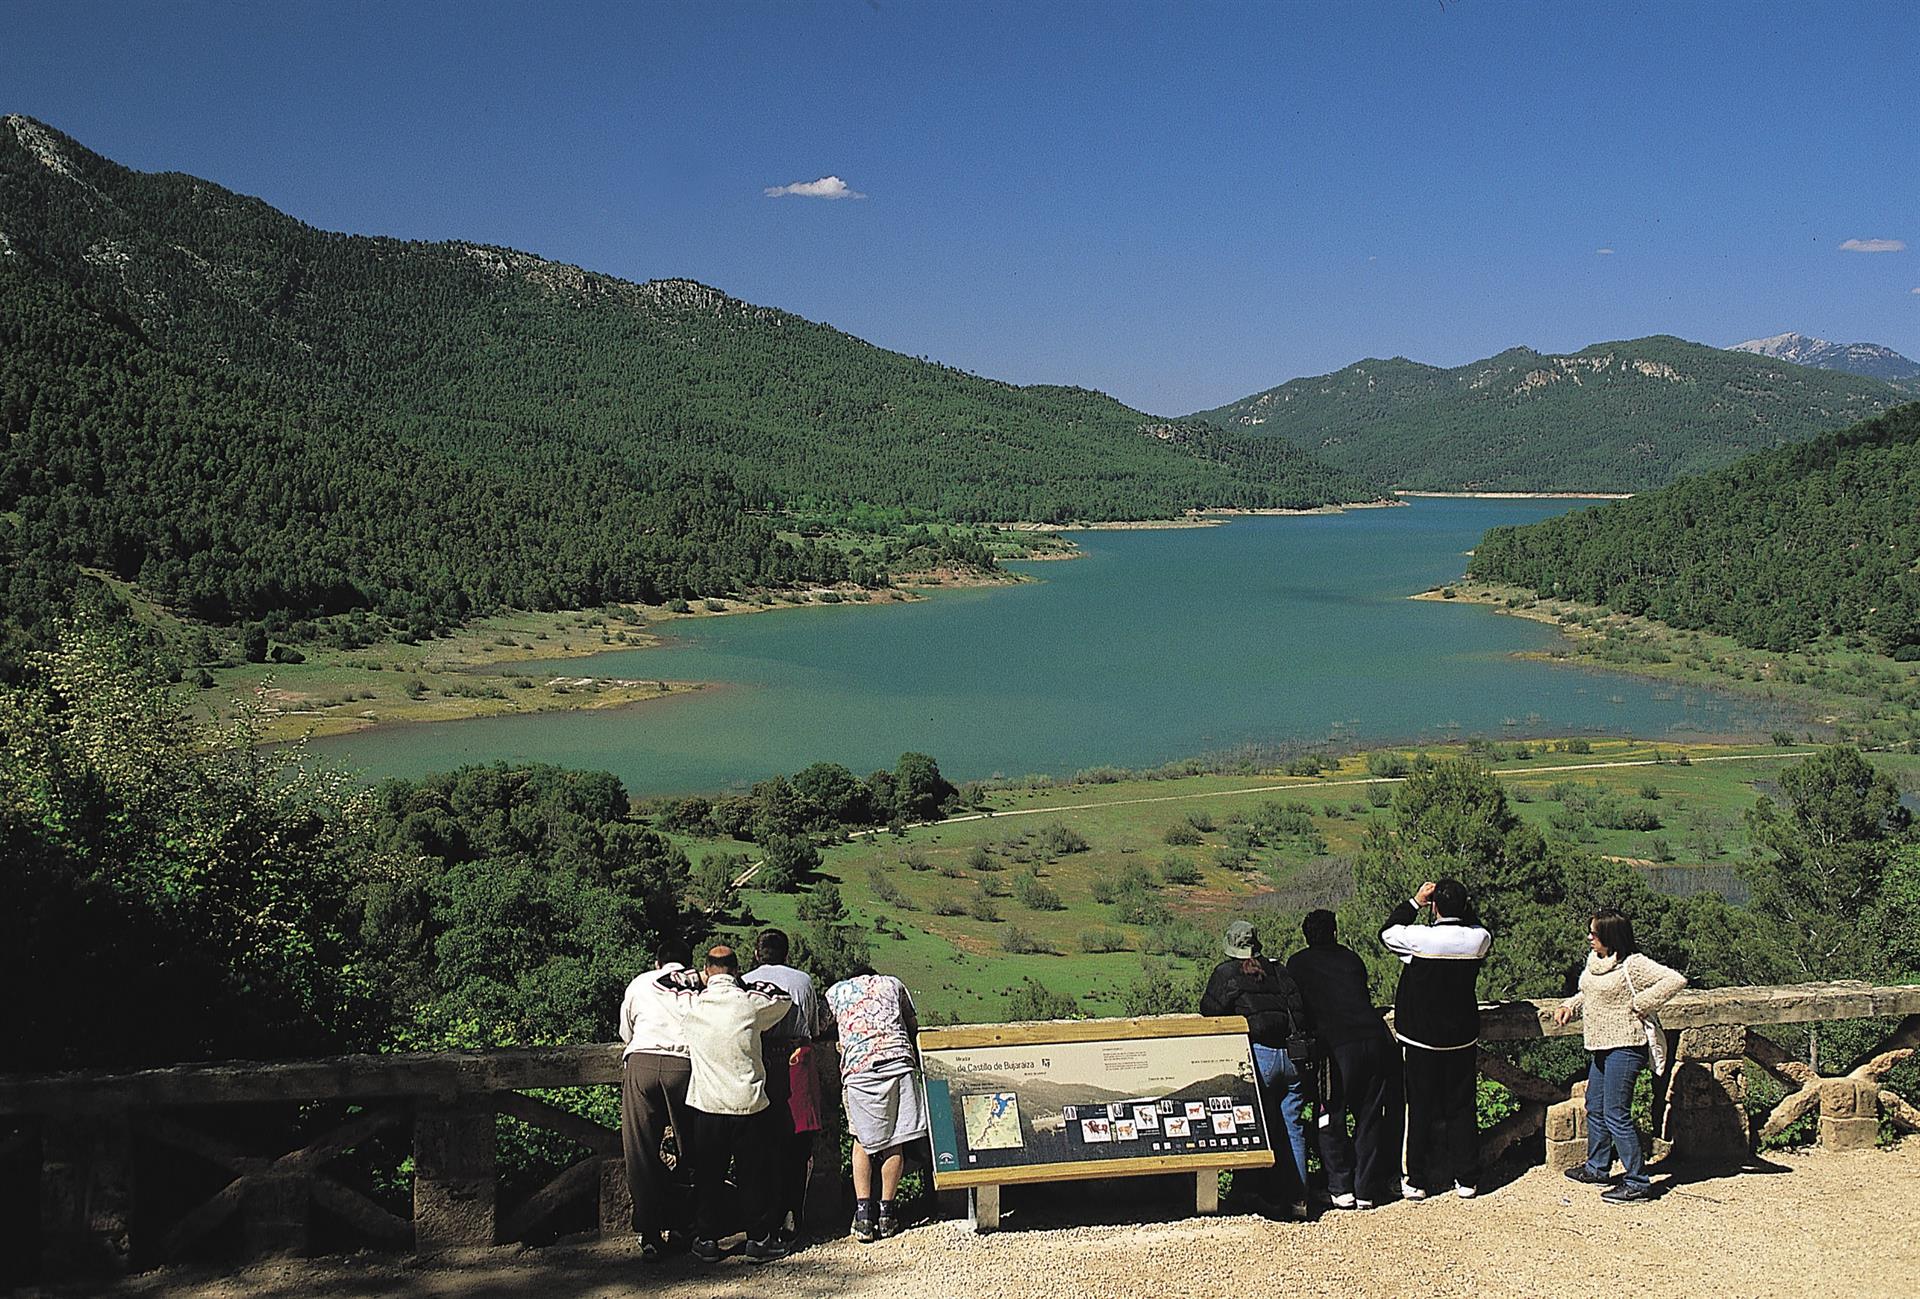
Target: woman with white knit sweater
point(1619, 991)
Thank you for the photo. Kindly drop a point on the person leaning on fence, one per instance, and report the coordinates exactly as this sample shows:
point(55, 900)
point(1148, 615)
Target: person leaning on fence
point(1436, 1016)
point(1621, 990)
point(722, 1018)
point(1248, 984)
point(886, 1108)
point(1363, 1069)
point(654, 1072)
point(787, 1050)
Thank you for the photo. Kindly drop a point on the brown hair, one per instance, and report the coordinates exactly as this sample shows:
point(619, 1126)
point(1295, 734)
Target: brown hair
point(1615, 932)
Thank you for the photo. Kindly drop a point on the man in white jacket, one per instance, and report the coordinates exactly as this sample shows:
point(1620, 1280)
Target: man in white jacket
point(722, 1018)
point(654, 1073)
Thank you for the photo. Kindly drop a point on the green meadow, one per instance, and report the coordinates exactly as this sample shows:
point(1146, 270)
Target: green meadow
point(1108, 892)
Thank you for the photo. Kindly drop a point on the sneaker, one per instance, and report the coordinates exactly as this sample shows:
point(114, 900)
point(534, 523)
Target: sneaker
point(1465, 1192)
point(864, 1230)
point(1299, 1211)
point(1586, 1176)
point(1408, 1191)
point(886, 1225)
point(707, 1251)
point(1624, 1194)
point(650, 1249)
point(763, 1251)
point(1342, 1201)
point(1362, 1204)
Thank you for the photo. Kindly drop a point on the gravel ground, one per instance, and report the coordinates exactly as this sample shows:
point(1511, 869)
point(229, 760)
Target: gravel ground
point(1815, 1224)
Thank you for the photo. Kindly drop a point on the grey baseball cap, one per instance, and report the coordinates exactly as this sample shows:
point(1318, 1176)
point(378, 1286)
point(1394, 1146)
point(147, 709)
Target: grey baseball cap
point(1241, 940)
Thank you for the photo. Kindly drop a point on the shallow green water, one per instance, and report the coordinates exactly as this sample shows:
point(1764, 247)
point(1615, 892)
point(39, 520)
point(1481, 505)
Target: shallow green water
point(1156, 645)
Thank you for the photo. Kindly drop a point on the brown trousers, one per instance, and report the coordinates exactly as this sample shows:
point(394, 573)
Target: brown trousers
point(653, 1095)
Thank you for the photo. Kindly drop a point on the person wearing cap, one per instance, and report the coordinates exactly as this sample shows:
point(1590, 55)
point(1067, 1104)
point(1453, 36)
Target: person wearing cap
point(793, 1090)
point(654, 1073)
point(875, 1023)
point(1362, 1073)
point(1249, 984)
point(1436, 1016)
point(722, 1017)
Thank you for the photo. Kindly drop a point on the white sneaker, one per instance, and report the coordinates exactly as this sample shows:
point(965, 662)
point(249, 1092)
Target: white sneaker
point(1363, 1204)
point(1342, 1201)
point(1465, 1192)
point(1408, 1191)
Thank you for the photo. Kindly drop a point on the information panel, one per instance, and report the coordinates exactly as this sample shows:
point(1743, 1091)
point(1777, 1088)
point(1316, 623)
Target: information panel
point(1092, 1098)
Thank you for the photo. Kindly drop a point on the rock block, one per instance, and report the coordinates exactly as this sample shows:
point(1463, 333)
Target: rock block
point(1712, 1042)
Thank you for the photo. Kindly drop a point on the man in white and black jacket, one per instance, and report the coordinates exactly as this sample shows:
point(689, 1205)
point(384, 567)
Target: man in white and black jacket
point(1436, 1016)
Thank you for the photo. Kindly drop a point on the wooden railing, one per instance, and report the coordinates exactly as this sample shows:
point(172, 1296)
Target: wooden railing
point(83, 1137)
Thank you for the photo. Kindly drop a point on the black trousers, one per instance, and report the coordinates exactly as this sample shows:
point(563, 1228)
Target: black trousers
point(1443, 1135)
point(1364, 1080)
point(789, 1153)
point(721, 1141)
point(653, 1096)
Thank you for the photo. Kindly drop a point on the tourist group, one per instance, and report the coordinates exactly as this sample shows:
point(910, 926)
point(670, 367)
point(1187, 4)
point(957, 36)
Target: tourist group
point(725, 1062)
point(1319, 1042)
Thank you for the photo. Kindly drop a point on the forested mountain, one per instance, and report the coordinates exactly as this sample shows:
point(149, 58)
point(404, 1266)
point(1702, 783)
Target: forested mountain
point(1870, 359)
point(1621, 417)
point(1778, 550)
point(250, 416)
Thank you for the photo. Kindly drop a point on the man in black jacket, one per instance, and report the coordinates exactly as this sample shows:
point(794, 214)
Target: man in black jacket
point(1363, 1069)
point(1249, 984)
point(1436, 1016)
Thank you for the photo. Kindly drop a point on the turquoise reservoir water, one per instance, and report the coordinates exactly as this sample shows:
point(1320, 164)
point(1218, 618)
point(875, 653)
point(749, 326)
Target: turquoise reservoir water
point(1155, 645)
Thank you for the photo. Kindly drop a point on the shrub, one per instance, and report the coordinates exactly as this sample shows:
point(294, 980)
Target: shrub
point(1021, 943)
point(1201, 821)
point(1059, 840)
point(982, 860)
point(1031, 893)
point(1178, 870)
point(948, 905)
point(981, 907)
point(1103, 940)
point(885, 889)
point(1034, 1000)
point(1181, 836)
point(916, 860)
point(1386, 765)
point(1650, 792)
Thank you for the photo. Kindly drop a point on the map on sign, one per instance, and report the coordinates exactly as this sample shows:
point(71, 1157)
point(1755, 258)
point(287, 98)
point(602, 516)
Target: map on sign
point(992, 1121)
point(1006, 1103)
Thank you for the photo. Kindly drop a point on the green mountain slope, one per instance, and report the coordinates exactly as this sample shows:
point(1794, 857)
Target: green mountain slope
point(1620, 416)
point(1778, 550)
point(253, 417)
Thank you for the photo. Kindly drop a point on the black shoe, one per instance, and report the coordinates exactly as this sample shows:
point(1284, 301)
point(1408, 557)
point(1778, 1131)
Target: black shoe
point(707, 1251)
point(650, 1250)
point(1624, 1194)
point(864, 1230)
point(886, 1225)
point(763, 1251)
point(1581, 1173)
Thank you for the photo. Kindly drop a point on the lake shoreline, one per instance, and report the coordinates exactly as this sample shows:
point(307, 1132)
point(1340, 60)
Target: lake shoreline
point(1602, 640)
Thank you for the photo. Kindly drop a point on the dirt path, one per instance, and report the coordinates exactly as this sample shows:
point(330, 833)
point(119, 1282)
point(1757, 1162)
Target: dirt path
point(1818, 1224)
point(1307, 789)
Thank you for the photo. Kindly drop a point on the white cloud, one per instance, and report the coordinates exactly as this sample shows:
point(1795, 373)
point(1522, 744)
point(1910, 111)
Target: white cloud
point(1873, 246)
point(1604, 252)
point(825, 187)
point(1917, 290)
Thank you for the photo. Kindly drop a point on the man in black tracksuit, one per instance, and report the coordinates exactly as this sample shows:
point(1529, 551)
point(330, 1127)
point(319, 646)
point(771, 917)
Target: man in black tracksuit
point(1436, 1016)
point(1363, 1074)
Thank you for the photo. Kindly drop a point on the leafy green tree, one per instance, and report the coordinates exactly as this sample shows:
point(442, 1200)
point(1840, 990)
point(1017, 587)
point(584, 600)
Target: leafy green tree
point(828, 946)
point(921, 793)
point(154, 856)
point(1823, 859)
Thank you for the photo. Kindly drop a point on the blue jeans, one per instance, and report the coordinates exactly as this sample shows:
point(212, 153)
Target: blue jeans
point(1284, 1090)
point(1610, 1130)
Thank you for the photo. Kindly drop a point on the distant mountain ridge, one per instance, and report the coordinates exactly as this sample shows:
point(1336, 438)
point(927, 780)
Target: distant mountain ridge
point(1870, 359)
point(255, 418)
point(1619, 416)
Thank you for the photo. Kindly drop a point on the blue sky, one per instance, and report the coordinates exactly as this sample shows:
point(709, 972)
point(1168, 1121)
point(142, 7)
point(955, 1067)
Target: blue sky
point(1177, 203)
